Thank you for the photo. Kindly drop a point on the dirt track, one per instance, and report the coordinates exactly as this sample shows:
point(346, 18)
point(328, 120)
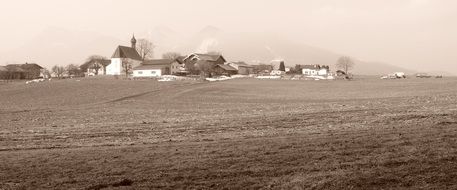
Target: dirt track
point(364, 134)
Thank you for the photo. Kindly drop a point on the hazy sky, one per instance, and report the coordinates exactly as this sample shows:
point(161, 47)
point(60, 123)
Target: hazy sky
point(411, 33)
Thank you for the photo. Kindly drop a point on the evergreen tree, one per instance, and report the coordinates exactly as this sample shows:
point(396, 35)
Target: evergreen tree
point(282, 67)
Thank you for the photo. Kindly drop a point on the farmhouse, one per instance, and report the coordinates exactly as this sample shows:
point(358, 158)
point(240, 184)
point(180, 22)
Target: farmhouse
point(22, 71)
point(242, 67)
point(277, 73)
point(159, 67)
point(124, 57)
point(315, 70)
point(95, 67)
point(226, 70)
point(262, 68)
point(3, 72)
point(197, 60)
point(214, 59)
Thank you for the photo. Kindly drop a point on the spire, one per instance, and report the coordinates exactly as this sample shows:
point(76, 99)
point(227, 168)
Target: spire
point(133, 41)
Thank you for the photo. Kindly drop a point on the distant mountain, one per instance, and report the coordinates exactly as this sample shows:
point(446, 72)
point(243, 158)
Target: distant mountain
point(57, 46)
point(266, 48)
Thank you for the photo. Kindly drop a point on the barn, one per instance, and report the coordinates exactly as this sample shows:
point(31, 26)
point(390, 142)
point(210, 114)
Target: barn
point(226, 70)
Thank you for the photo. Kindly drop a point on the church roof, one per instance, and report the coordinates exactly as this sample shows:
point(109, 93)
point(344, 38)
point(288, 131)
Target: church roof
point(126, 52)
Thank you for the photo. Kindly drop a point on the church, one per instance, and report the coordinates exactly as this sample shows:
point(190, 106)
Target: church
point(124, 58)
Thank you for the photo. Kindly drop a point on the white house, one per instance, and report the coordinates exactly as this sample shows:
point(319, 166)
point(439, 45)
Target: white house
point(95, 67)
point(315, 70)
point(159, 67)
point(149, 71)
point(121, 56)
point(277, 72)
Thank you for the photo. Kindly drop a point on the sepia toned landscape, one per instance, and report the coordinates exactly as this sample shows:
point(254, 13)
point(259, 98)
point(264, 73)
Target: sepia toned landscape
point(100, 133)
point(239, 94)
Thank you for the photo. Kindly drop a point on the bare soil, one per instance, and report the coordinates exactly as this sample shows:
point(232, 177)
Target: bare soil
point(238, 134)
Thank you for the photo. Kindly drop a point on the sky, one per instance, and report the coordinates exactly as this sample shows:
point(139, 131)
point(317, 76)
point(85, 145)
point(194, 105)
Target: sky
point(417, 34)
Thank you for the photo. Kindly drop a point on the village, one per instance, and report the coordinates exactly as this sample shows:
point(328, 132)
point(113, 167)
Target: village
point(133, 63)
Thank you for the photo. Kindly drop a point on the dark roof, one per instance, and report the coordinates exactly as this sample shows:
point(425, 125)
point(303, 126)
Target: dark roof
point(310, 67)
point(180, 59)
point(149, 67)
point(206, 57)
point(227, 67)
point(158, 62)
point(14, 68)
point(104, 62)
point(28, 66)
point(126, 52)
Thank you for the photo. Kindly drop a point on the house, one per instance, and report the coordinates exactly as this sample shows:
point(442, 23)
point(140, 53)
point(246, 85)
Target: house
point(262, 68)
point(226, 70)
point(242, 67)
point(3, 72)
point(315, 70)
point(210, 59)
point(146, 71)
point(124, 57)
point(216, 59)
point(277, 73)
point(95, 67)
point(159, 67)
point(23, 71)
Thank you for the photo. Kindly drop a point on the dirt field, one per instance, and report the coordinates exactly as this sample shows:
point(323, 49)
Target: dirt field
point(238, 134)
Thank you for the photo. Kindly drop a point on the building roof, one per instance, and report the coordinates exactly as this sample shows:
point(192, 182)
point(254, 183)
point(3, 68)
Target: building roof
point(315, 67)
point(158, 62)
point(149, 67)
point(14, 68)
point(205, 57)
point(104, 62)
point(126, 52)
point(2, 68)
point(180, 59)
point(28, 66)
point(227, 67)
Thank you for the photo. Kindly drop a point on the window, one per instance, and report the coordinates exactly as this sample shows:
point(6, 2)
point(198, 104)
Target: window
point(153, 72)
point(140, 72)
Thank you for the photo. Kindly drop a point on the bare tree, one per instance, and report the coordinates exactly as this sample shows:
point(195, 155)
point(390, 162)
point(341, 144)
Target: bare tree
point(345, 63)
point(145, 48)
point(93, 62)
point(127, 67)
point(58, 71)
point(46, 73)
point(73, 70)
point(171, 55)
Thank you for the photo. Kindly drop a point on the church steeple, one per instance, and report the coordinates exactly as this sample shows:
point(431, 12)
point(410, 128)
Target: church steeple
point(133, 41)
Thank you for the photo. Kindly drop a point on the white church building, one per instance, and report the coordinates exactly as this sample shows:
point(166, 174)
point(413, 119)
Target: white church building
point(124, 55)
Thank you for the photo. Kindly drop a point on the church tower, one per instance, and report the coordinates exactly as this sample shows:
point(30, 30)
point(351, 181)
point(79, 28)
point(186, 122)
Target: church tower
point(133, 41)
